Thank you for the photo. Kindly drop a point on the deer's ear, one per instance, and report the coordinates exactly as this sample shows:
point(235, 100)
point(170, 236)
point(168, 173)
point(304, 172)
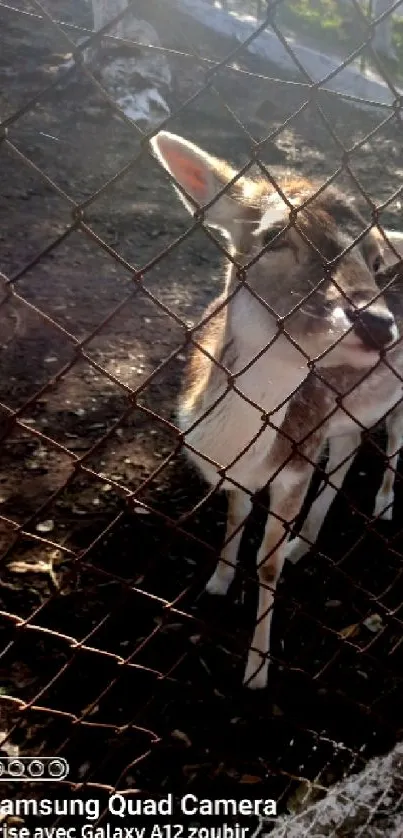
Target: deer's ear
point(199, 178)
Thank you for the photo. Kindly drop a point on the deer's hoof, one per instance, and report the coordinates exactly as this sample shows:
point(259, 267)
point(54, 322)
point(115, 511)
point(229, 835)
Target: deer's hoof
point(218, 585)
point(384, 507)
point(296, 549)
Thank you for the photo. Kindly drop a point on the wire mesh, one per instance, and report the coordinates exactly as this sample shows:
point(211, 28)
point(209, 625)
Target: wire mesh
point(113, 655)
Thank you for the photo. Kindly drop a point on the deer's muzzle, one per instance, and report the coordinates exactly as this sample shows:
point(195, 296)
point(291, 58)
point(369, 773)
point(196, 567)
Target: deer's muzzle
point(375, 326)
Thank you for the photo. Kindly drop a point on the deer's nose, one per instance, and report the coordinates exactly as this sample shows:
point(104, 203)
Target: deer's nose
point(375, 325)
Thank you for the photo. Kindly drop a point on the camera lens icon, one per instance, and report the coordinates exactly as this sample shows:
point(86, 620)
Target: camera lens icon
point(57, 768)
point(36, 769)
point(33, 769)
point(16, 768)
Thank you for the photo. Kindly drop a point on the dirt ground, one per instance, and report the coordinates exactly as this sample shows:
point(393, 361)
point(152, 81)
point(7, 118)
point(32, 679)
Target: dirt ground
point(137, 672)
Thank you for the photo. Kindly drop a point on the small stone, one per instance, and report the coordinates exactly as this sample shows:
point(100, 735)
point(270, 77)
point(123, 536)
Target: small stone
point(373, 623)
point(45, 526)
point(195, 638)
point(183, 737)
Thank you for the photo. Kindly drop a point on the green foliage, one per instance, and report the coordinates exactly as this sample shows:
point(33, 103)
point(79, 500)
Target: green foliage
point(337, 27)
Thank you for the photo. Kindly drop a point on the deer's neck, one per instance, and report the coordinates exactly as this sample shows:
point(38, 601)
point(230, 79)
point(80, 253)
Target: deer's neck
point(254, 333)
point(243, 340)
point(227, 412)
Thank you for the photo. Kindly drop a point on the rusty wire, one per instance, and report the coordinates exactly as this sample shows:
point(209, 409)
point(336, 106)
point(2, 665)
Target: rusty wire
point(80, 560)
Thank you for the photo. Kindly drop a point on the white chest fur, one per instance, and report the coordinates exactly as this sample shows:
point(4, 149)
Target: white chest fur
point(234, 432)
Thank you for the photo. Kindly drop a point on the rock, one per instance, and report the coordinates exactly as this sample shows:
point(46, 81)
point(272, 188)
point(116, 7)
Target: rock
point(137, 78)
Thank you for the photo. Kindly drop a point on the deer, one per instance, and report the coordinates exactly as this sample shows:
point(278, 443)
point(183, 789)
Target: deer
point(362, 407)
point(299, 293)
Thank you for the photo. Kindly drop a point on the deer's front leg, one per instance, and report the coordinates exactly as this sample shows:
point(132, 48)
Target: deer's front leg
point(287, 492)
point(239, 507)
point(386, 494)
point(342, 450)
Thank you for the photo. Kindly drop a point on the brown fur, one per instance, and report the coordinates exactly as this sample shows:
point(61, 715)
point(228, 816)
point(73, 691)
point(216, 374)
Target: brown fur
point(199, 367)
point(280, 287)
point(320, 228)
point(364, 396)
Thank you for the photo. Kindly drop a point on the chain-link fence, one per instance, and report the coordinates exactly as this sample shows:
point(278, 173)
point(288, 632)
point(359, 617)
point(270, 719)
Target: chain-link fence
point(114, 301)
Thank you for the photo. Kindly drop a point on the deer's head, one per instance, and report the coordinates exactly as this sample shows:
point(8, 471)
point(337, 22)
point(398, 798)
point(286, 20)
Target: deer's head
point(303, 274)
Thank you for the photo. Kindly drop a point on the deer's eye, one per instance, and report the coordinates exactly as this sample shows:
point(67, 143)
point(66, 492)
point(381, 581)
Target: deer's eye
point(377, 263)
point(272, 238)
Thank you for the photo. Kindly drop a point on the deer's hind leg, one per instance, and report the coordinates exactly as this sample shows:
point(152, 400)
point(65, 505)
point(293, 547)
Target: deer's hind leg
point(386, 494)
point(342, 451)
point(239, 508)
point(287, 492)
